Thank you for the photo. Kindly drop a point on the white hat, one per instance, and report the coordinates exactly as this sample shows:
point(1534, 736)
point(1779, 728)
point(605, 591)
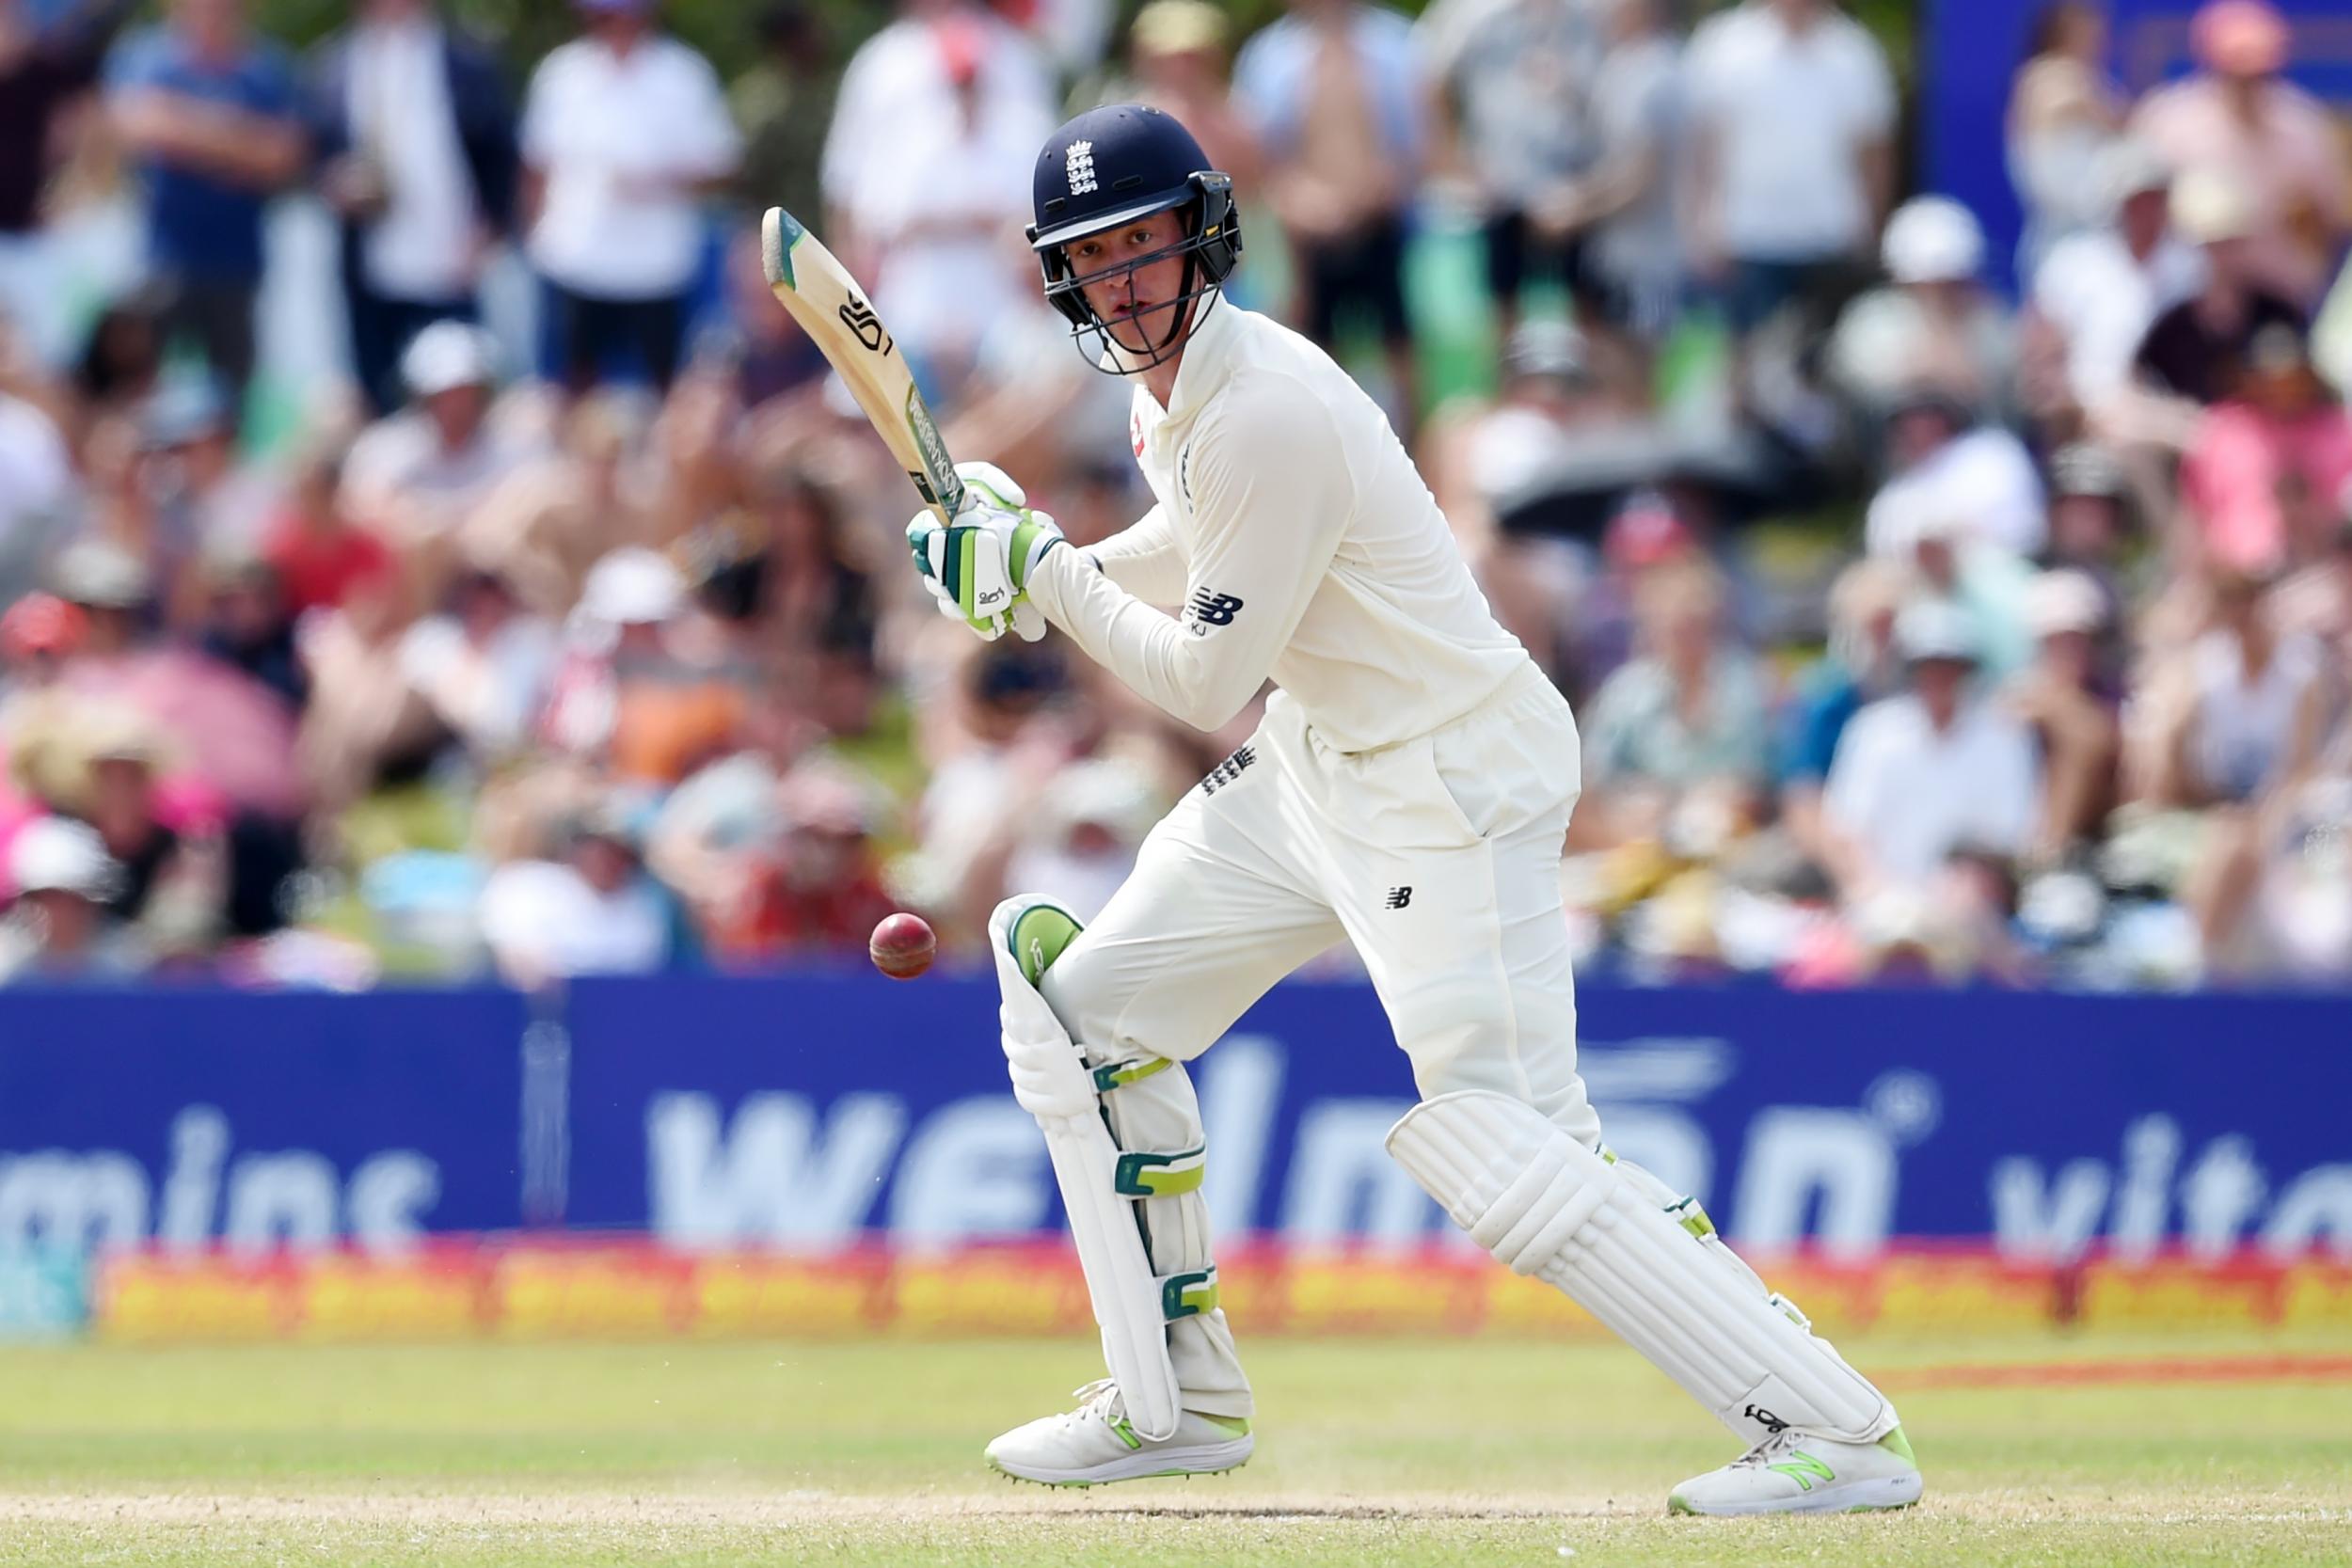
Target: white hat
point(448, 354)
point(633, 586)
point(1933, 239)
point(1936, 629)
point(58, 854)
point(2063, 601)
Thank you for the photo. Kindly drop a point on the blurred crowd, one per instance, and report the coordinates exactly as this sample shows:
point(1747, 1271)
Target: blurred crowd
point(1914, 632)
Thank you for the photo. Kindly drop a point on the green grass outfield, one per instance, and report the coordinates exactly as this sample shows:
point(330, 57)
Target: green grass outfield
point(1372, 1451)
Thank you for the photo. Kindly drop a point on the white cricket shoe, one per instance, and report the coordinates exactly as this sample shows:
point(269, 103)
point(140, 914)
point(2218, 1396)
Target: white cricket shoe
point(1797, 1472)
point(1094, 1444)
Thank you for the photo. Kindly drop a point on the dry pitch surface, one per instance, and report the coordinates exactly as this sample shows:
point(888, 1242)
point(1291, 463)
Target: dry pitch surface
point(2210, 1449)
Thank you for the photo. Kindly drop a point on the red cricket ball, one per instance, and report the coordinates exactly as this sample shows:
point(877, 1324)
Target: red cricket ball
point(902, 946)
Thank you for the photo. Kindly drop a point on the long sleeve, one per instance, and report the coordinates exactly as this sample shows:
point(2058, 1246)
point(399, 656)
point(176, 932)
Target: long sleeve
point(1143, 558)
point(1271, 496)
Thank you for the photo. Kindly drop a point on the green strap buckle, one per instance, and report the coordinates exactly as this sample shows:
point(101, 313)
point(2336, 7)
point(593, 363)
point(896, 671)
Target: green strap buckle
point(1692, 1217)
point(1144, 1174)
point(1117, 1075)
point(1189, 1295)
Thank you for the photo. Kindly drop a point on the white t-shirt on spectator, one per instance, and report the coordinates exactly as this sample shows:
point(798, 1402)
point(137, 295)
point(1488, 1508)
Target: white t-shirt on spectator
point(1911, 795)
point(620, 139)
point(37, 494)
point(2104, 299)
point(940, 291)
point(1788, 113)
point(2245, 722)
point(896, 87)
point(542, 916)
point(1982, 481)
point(421, 247)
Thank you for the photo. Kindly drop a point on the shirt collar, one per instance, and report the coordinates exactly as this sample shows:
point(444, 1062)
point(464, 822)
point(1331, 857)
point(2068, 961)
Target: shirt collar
point(1208, 354)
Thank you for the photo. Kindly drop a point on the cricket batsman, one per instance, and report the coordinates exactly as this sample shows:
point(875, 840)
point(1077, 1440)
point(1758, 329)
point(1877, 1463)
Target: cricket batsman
point(1409, 789)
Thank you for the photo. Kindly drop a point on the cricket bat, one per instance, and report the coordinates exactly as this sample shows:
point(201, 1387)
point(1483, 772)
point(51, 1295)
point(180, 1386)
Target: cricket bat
point(811, 283)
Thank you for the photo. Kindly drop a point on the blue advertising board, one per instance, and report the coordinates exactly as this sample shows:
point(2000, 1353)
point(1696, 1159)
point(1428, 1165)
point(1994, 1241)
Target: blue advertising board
point(191, 1116)
point(1968, 56)
point(824, 1109)
point(814, 1112)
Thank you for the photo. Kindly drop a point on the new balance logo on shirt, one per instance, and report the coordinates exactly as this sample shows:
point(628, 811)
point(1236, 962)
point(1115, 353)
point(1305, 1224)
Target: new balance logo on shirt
point(1227, 771)
point(1212, 610)
point(1400, 897)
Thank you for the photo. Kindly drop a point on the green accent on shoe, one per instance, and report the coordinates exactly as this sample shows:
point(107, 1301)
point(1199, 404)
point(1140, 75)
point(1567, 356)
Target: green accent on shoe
point(1040, 935)
point(1897, 1444)
point(1126, 1433)
point(1117, 1075)
point(1146, 1175)
point(1799, 1465)
point(1189, 1295)
point(1237, 1425)
point(1676, 1503)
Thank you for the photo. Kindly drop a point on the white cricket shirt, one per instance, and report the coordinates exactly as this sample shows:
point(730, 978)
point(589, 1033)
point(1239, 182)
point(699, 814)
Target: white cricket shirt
point(1302, 545)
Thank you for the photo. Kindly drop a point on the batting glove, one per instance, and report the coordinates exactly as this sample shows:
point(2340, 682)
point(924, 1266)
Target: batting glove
point(978, 566)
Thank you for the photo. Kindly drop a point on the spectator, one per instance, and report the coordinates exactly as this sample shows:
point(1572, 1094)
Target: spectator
point(1934, 771)
point(1627, 203)
point(43, 69)
point(897, 84)
point(640, 686)
point(821, 886)
point(783, 104)
point(1689, 709)
point(2194, 350)
point(1793, 126)
point(1935, 325)
point(1862, 666)
point(614, 212)
point(414, 136)
point(1082, 844)
point(2089, 521)
point(2235, 715)
point(312, 545)
point(483, 667)
point(2264, 480)
point(58, 927)
point(248, 625)
point(1332, 92)
point(1951, 473)
point(2225, 733)
point(2275, 146)
point(1514, 85)
point(596, 911)
point(2102, 288)
point(194, 493)
point(38, 499)
point(943, 219)
point(418, 475)
point(2064, 113)
point(2199, 341)
point(209, 115)
point(1179, 51)
point(2071, 710)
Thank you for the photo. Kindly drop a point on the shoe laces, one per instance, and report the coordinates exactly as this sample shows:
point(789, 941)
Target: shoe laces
point(1098, 1400)
point(1774, 1447)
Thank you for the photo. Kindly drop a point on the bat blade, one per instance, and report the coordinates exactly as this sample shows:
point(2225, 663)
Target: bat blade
point(811, 282)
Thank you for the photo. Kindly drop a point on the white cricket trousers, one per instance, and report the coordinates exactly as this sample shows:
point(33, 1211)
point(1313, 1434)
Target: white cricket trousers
point(1438, 858)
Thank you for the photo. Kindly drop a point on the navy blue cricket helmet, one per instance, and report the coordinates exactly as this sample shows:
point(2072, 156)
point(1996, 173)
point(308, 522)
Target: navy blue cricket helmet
point(1111, 166)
